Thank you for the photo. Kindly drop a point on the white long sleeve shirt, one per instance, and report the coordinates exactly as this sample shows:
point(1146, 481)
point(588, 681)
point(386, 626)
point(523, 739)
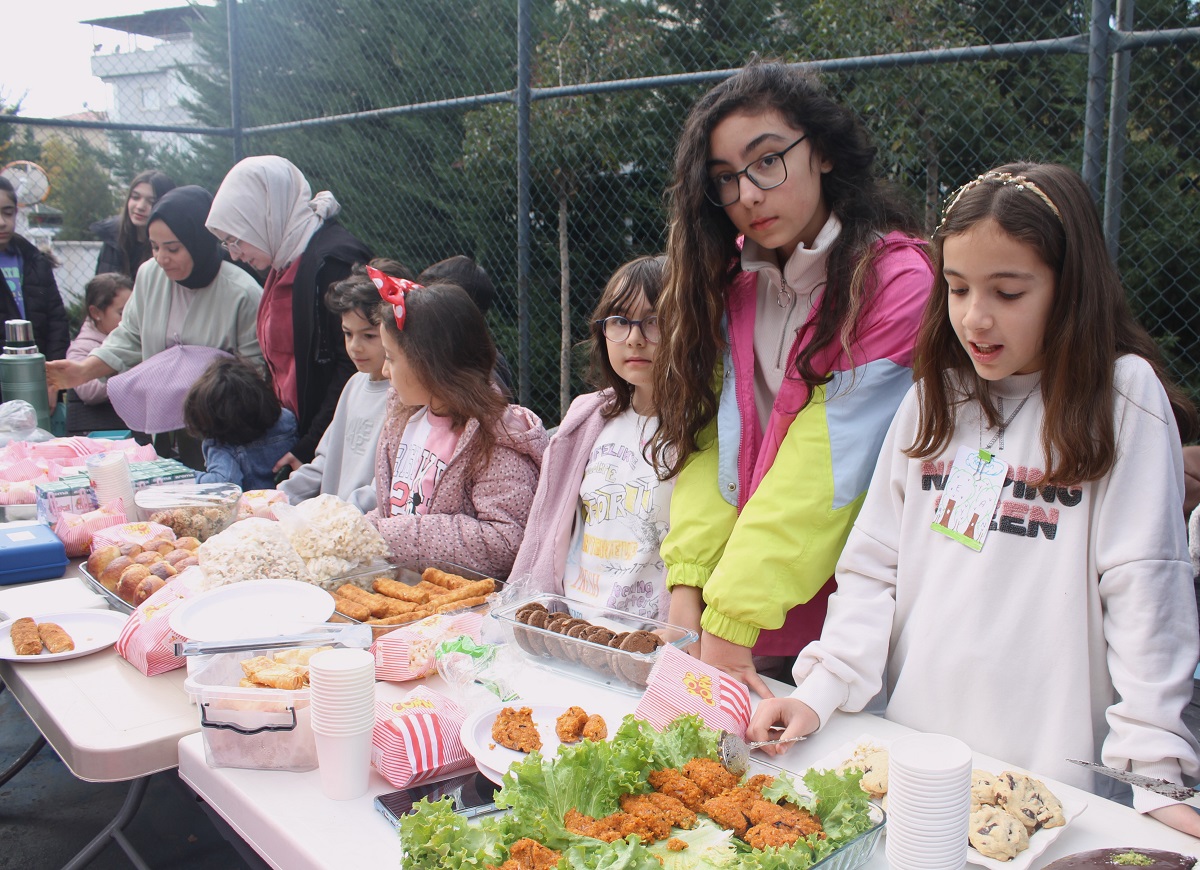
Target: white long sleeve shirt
point(344, 464)
point(1072, 634)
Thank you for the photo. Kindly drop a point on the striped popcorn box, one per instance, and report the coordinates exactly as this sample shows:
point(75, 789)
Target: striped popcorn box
point(407, 652)
point(418, 739)
point(76, 530)
point(147, 641)
point(680, 684)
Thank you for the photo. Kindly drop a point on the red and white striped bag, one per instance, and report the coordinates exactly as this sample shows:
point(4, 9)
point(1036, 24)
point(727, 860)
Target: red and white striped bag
point(76, 530)
point(407, 652)
point(418, 739)
point(680, 684)
point(147, 641)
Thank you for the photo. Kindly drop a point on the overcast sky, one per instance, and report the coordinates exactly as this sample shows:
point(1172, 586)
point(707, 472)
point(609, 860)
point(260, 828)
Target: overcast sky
point(46, 59)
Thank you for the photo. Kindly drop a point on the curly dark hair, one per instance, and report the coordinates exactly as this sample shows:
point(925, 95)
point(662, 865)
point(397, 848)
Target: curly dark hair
point(231, 403)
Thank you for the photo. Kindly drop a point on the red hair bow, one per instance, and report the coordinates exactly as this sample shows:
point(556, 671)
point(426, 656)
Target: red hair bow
point(393, 290)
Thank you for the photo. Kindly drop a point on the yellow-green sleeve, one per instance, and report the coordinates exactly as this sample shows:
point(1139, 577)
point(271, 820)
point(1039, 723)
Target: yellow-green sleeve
point(701, 520)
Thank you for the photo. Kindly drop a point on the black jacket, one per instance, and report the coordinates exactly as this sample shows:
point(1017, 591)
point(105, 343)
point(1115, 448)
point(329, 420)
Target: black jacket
point(110, 259)
point(322, 366)
point(43, 304)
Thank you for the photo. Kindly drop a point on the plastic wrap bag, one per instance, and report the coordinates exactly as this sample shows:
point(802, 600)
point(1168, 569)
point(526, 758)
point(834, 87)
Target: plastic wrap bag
point(18, 422)
point(253, 549)
point(331, 536)
point(478, 673)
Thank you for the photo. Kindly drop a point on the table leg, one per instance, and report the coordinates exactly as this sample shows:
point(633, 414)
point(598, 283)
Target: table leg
point(26, 757)
point(114, 830)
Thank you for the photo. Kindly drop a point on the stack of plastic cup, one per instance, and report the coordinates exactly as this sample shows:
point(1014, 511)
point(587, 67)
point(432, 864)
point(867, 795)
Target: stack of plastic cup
point(342, 695)
point(929, 802)
point(110, 478)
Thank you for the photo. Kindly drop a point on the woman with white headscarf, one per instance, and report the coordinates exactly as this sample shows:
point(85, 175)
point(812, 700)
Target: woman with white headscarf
point(264, 214)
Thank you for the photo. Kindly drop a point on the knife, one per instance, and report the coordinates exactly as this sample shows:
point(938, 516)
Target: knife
point(1172, 790)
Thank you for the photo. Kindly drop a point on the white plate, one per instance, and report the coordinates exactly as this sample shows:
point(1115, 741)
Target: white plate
point(254, 608)
point(494, 760)
point(1039, 842)
point(92, 631)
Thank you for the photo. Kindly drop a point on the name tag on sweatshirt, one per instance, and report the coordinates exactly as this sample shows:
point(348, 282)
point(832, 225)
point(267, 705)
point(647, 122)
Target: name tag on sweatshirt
point(969, 499)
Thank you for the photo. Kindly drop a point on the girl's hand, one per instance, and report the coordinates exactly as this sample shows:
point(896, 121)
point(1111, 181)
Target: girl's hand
point(63, 374)
point(796, 718)
point(289, 460)
point(733, 659)
point(1181, 817)
point(687, 605)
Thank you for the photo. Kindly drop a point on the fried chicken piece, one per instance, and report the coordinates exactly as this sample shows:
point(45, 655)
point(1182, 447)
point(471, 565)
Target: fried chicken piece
point(617, 826)
point(569, 726)
point(659, 805)
point(514, 729)
point(670, 781)
point(730, 810)
point(759, 781)
point(583, 825)
point(527, 854)
point(762, 836)
point(711, 776)
point(595, 729)
point(765, 812)
point(676, 845)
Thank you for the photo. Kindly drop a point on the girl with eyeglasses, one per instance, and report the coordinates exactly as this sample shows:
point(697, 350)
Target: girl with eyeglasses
point(601, 511)
point(795, 285)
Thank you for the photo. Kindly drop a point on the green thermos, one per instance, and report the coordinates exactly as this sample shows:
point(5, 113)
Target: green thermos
point(23, 370)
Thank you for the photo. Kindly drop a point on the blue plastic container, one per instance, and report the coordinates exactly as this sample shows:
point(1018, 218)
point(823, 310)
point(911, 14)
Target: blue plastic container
point(30, 552)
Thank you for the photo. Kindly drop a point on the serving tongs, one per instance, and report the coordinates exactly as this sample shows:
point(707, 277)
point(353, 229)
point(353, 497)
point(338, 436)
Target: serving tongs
point(357, 636)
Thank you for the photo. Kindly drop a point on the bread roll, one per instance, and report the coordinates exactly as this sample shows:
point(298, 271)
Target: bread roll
point(186, 563)
point(128, 584)
point(187, 543)
point(163, 569)
point(177, 554)
point(26, 640)
point(130, 549)
point(147, 557)
point(99, 560)
point(148, 587)
point(161, 546)
point(111, 576)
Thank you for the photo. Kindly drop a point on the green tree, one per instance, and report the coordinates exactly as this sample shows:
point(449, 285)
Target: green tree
point(79, 185)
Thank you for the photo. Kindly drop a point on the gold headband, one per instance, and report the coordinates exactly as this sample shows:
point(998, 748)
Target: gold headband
point(1018, 181)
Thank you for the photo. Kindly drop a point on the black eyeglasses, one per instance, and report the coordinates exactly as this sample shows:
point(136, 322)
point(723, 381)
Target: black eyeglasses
point(617, 328)
point(766, 172)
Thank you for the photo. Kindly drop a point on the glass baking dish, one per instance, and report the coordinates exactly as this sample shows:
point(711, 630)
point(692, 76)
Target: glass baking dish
point(624, 670)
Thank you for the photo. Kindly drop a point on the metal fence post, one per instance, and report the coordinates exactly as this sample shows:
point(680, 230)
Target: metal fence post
point(1093, 120)
point(1118, 115)
point(524, 198)
point(235, 79)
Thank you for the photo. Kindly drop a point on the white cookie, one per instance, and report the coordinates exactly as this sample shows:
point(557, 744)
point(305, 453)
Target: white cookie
point(995, 834)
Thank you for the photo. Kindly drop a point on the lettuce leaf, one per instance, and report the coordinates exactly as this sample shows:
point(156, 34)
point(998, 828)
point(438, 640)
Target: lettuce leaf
point(842, 805)
point(590, 854)
point(433, 835)
point(710, 847)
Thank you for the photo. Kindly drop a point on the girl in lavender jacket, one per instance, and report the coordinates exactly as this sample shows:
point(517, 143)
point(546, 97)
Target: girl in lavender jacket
point(456, 466)
point(601, 511)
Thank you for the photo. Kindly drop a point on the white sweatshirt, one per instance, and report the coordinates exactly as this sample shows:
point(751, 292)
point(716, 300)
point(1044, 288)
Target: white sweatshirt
point(344, 464)
point(1072, 634)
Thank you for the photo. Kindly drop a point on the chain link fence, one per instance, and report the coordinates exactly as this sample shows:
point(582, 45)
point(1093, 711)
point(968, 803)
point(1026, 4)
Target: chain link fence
point(411, 113)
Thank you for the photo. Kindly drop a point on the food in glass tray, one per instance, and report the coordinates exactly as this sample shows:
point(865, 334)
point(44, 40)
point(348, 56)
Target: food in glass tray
point(575, 725)
point(198, 510)
point(599, 644)
point(388, 594)
point(1122, 856)
point(668, 788)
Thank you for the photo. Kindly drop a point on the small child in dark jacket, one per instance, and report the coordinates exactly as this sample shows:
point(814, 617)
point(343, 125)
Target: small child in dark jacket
point(244, 429)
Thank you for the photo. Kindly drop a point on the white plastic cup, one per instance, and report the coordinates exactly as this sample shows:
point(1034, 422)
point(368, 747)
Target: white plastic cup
point(929, 799)
point(110, 479)
point(344, 762)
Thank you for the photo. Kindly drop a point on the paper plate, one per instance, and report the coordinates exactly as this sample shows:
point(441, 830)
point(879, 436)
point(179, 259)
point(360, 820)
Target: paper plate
point(255, 608)
point(91, 630)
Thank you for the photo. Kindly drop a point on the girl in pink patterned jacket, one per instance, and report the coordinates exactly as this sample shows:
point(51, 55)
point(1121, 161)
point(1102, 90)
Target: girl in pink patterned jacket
point(457, 466)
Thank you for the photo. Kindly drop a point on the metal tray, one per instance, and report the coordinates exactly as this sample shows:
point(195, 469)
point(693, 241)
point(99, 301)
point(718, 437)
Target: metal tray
point(114, 601)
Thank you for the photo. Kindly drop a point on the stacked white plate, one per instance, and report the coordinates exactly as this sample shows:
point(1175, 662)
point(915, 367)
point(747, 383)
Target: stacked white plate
point(342, 695)
point(929, 802)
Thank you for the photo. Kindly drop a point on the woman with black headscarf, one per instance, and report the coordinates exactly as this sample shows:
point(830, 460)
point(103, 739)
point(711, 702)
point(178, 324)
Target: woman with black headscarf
point(187, 295)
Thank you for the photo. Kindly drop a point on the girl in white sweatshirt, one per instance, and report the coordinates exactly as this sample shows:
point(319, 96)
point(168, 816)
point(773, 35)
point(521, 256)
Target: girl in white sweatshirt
point(1019, 575)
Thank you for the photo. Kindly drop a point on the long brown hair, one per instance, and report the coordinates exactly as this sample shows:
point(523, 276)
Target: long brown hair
point(446, 343)
point(135, 251)
point(638, 278)
point(703, 254)
point(1089, 319)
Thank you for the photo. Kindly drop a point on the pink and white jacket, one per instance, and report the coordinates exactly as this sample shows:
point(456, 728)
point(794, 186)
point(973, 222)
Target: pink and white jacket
point(89, 338)
point(759, 518)
point(476, 520)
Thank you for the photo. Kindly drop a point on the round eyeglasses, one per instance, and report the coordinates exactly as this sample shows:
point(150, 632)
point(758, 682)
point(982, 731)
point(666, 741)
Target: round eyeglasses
point(768, 171)
point(617, 328)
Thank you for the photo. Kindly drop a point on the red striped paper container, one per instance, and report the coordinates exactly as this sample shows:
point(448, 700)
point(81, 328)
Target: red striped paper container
point(680, 684)
point(407, 652)
point(418, 739)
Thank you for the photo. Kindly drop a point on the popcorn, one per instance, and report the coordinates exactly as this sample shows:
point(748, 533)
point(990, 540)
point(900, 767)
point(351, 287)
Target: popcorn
point(254, 549)
point(331, 536)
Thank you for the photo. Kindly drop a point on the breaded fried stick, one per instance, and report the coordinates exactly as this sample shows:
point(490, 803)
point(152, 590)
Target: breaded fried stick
point(25, 638)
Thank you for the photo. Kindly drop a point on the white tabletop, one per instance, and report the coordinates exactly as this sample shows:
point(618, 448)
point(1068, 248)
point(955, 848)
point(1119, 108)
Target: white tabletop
point(105, 719)
point(290, 823)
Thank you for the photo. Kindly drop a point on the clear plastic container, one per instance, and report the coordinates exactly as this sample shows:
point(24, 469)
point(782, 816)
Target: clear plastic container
point(197, 510)
point(624, 670)
point(254, 728)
